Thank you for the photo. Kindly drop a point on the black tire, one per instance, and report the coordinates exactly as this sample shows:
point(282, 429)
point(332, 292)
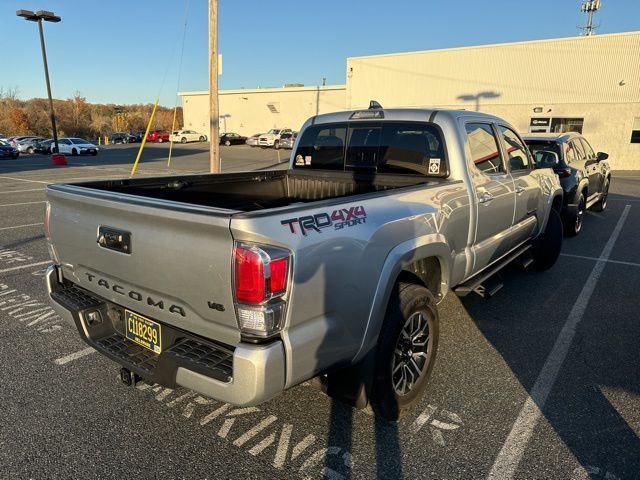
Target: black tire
point(183, 140)
point(409, 302)
point(573, 223)
point(601, 204)
point(30, 150)
point(546, 247)
point(202, 138)
point(74, 152)
point(227, 143)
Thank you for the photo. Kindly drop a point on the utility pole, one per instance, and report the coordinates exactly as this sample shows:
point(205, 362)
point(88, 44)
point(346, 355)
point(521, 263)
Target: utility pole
point(589, 7)
point(214, 112)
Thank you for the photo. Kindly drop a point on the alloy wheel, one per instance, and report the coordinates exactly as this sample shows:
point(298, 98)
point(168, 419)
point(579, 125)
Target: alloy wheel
point(411, 355)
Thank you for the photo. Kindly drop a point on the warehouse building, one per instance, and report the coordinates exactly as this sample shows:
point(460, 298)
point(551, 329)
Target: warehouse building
point(589, 84)
point(249, 111)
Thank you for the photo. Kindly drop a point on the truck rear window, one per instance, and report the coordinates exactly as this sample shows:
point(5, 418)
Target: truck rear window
point(383, 147)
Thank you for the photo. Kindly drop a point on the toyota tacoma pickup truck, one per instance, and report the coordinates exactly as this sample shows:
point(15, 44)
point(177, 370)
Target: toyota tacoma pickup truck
point(241, 285)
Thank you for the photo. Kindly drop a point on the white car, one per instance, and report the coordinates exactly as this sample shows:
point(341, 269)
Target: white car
point(272, 137)
point(75, 146)
point(184, 136)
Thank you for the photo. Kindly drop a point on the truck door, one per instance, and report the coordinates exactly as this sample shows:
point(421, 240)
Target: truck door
point(527, 188)
point(494, 192)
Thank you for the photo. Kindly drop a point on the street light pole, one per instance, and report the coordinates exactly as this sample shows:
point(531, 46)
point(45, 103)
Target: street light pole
point(46, 75)
point(48, 17)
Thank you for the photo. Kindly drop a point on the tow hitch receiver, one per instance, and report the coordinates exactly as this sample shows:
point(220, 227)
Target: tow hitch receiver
point(128, 377)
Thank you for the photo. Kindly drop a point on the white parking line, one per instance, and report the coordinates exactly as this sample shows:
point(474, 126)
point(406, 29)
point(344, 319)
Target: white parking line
point(74, 356)
point(21, 179)
point(21, 226)
point(620, 262)
point(24, 266)
point(23, 191)
point(511, 453)
point(23, 203)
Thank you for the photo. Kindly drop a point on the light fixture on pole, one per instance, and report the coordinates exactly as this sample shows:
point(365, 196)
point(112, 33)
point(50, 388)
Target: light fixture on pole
point(590, 7)
point(38, 17)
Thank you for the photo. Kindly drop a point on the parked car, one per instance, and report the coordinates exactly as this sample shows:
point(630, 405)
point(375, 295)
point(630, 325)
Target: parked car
point(184, 136)
point(121, 137)
point(287, 140)
point(8, 151)
point(272, 137)
point(230, 138)
point(43, 146)
point(75, 146)
point(28, 145)
point(252, 141)
point(139, 135)
point(332, 268)
point(585, 176)
point(15, 141)
point(158, 136)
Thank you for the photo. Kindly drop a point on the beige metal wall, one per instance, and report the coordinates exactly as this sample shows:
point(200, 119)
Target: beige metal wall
point(596, 78)
point(249, 111)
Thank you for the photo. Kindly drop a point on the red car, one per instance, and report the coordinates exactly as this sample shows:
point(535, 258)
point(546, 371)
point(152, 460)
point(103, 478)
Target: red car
point(158, 136)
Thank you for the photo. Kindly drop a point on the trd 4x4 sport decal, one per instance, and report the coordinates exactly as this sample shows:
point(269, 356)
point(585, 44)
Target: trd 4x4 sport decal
point(338, 219)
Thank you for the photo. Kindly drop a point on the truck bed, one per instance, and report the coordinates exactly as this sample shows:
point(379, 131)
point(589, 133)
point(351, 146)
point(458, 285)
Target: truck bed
point(253, 191)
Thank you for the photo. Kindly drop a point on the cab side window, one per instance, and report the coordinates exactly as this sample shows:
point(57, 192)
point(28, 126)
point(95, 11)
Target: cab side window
point(516, 151)
point(570, 153)
point(485, 153)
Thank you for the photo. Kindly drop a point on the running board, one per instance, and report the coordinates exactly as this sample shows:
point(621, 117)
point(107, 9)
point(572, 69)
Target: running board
point(487, 282)
point(595, 199)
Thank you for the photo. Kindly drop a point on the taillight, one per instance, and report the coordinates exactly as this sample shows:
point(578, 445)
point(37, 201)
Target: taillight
point(261, 276)
point(563, 172)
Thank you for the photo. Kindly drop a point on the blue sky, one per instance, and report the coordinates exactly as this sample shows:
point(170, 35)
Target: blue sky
point(119, 51)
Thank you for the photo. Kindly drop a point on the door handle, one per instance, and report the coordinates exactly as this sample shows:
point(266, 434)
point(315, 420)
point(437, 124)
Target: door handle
point(485, 197)
point(519, 189)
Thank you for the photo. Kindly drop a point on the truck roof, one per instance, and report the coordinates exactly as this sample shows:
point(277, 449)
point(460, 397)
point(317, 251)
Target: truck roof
point(400, 114)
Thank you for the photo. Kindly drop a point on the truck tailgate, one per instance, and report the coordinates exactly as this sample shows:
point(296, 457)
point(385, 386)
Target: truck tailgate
point(172, 247)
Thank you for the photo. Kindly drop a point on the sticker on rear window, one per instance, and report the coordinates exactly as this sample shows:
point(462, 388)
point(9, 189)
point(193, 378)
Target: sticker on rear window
point(434, 165)
point(307, 160)
point(299, 160)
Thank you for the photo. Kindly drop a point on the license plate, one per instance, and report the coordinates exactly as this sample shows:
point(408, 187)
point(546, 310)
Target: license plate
point(143, 331)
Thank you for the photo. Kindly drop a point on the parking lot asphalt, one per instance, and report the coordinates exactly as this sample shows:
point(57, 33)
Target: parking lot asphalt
point(541, 381)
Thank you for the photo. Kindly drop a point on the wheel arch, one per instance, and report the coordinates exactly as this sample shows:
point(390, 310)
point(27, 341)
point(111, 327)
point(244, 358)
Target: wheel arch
point(425, 261)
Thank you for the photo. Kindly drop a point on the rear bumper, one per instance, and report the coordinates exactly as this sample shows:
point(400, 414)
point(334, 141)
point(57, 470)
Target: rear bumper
point(243, 375)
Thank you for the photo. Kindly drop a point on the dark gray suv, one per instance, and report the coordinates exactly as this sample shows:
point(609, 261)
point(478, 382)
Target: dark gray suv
point(585, 176)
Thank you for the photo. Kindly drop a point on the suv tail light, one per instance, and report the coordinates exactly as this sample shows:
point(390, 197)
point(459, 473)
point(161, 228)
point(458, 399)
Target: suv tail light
point(563, 172)
point(261, 278)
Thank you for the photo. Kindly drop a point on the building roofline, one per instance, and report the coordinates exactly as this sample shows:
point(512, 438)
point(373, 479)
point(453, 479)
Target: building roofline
point(585, 38)
point(322, 88)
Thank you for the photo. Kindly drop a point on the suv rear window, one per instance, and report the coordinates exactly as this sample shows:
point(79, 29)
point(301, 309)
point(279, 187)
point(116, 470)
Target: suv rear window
point(383, 147)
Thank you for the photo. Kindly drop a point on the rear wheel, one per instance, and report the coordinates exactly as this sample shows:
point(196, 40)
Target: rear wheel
point(406, 351)
point(30, 150)
point(183, 140)
point(202, 139)
point(276, 145)
point(545, 248)
point(74, 152)
point(573, 225)
point(601, 204)
point(227, 143)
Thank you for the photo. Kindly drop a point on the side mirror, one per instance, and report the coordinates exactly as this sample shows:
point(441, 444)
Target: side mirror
point(602, 156)
point(546, 159)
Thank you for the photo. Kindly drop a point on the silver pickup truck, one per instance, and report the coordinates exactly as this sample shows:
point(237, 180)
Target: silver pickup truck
point(242, 285)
